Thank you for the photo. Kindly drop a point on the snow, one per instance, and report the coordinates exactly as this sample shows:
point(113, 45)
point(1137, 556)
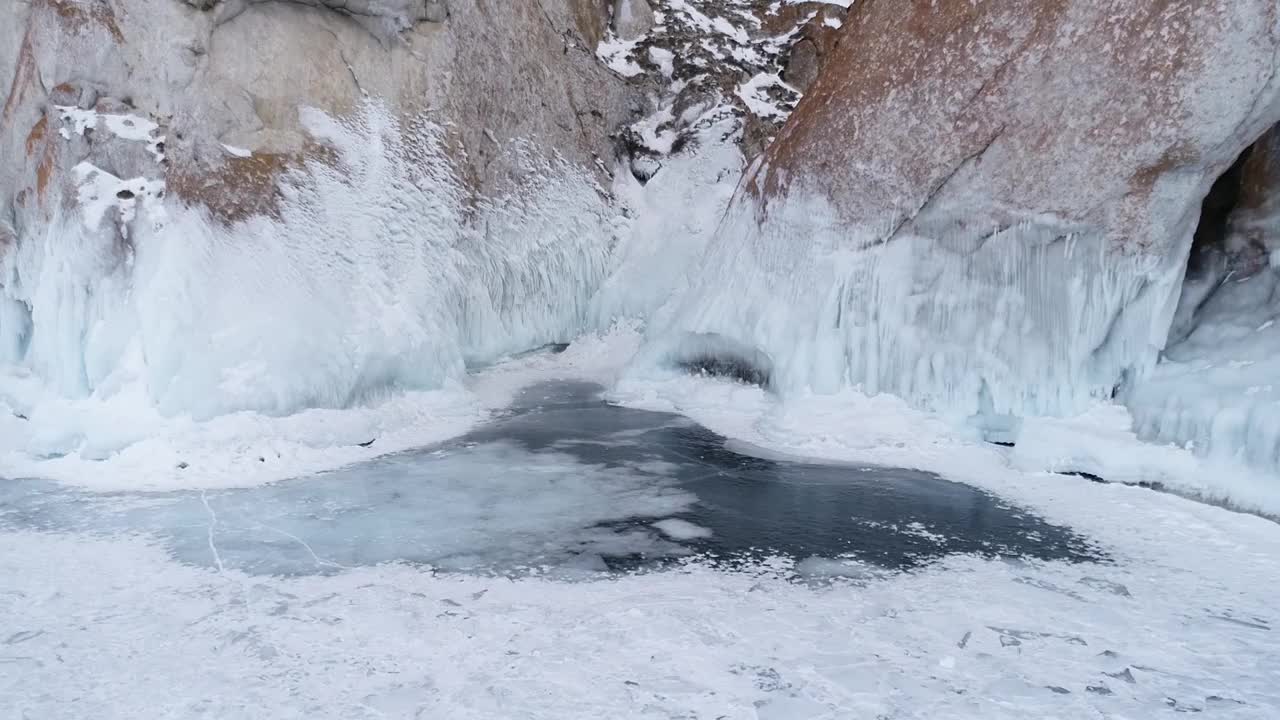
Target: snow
point(1102, 441)
point(127, 444)
point(99, 192)
point(706, 57)
point(615, 52)
point(234, 151)
point(664, 59)
point(114, 629)
point(674, 216)
point(850, 426)
point(754, 92)
point(122, 125)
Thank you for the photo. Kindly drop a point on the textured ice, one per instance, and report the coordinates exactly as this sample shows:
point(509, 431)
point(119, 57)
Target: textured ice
point(1216, 393)
point(375, 275)
point(1025, 320)
point(678, 529)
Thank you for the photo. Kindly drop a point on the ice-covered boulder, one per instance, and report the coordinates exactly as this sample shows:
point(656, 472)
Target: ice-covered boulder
point(986, 207)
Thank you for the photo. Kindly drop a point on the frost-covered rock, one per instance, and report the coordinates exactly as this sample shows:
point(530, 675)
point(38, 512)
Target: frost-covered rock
point(236, 73)
point(987, 207)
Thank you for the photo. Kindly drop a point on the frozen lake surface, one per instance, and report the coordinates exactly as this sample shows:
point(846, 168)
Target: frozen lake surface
point(488, 577)
point(566, 482)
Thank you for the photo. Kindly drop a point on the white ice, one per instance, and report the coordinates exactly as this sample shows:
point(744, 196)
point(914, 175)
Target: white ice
point(369, 279)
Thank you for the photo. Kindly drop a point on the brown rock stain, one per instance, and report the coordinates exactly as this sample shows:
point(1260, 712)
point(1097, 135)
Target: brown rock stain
point(44, 173)
point(77, 15)
point(241, 187)
point(23, 78)
point(37, 134)
point(235, 190)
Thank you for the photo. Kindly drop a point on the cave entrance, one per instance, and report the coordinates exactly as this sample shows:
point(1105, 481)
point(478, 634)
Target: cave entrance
point(1219, 247)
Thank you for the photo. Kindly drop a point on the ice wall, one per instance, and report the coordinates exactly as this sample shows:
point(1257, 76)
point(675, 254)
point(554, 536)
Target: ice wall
point(1036, 318)
point(1217, 392)
point(378, 272)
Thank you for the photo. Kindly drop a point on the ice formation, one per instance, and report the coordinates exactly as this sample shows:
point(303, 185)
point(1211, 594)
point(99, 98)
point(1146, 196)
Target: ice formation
point(375, 274)
point(1031, 319)
point(1217, 392)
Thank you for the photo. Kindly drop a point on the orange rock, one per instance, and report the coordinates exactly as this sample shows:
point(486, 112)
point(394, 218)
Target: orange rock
point(1101, 113)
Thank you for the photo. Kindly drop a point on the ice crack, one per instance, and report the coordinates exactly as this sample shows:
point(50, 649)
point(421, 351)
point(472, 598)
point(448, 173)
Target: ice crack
point(318, 560)
point(213, 523)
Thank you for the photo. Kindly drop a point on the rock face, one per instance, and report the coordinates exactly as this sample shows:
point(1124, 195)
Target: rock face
point(234, 74)
point(986, 207)
point(1080, 109)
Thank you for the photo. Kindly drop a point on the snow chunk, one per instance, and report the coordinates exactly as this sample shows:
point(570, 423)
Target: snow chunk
point(99, 192)
point(123, 126)
point(236, 151)
point(664, 59)
point(678, 529)
point(755, 93)
point(616, 54)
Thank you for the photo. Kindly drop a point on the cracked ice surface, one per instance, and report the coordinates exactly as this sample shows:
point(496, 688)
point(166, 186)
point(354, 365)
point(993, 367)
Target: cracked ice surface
point(112, 628)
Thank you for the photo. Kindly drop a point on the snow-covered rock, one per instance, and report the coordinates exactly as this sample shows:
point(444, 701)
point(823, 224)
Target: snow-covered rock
point(986, 208)
point(705, 60)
